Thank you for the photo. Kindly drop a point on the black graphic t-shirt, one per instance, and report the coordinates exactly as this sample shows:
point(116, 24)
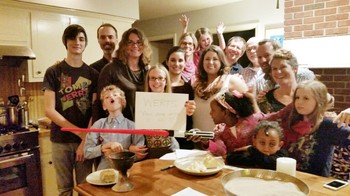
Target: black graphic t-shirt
point(74, 88)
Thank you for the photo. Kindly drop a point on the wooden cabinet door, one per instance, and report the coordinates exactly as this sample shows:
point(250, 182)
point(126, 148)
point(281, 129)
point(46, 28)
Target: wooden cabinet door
point(92, 51)
point(47, 30)
point(14, 26)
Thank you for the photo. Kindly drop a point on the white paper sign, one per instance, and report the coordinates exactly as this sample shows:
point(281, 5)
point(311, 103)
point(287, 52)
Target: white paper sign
point(161, 111)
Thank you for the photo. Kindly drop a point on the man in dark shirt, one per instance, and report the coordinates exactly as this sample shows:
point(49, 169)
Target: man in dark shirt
point(234, 50)
point(107, 36)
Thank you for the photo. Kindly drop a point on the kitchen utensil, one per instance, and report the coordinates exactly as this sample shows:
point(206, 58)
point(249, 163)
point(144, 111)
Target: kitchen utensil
point(155, 132)
point(122, 161)
point(202, 134)
point(259, 174)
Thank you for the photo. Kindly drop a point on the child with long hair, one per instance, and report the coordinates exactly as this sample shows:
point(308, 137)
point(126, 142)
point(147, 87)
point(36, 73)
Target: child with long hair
point(158, 81)
point(204, 37)
point(309, 137)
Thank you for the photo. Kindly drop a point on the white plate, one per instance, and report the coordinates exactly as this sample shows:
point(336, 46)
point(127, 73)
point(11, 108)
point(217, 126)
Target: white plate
point(183, 163)
point(94, 178)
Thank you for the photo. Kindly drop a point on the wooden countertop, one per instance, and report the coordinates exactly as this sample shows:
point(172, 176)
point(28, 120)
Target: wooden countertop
point(148, 179)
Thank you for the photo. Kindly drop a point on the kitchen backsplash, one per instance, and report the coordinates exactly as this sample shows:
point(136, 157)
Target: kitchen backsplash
point(34, 94)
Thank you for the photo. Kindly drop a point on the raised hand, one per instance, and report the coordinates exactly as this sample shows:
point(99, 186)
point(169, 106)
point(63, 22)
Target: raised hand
point(220, 28)
point(184, 22)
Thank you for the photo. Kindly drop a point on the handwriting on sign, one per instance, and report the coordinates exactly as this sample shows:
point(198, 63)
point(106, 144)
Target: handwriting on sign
point(160, 103)
point(160, 111)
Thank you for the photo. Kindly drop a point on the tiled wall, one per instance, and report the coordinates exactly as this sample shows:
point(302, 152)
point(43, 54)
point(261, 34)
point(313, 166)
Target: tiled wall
point(316, 18)
point(338, 83)
point(322, 18)
point(9, 86)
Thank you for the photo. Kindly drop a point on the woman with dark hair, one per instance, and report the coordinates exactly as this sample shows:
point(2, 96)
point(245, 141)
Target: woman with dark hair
point(175, 61)
point(212, 78)
point(127, 71)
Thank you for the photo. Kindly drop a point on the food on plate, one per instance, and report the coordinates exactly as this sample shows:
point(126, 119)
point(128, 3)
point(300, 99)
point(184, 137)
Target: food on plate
point(210, 162)
point(243, 186)
point(107, 176)
point(197, 166)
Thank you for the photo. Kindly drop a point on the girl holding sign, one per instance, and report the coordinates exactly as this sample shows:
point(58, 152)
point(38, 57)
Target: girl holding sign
point(158, 80)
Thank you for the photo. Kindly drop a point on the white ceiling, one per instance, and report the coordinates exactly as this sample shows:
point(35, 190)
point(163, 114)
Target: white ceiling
point(150, 9)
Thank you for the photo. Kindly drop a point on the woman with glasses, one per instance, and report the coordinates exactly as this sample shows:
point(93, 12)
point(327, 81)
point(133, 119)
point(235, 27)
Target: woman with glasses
point(188, 43)
point(158, 81)
point(127, 71)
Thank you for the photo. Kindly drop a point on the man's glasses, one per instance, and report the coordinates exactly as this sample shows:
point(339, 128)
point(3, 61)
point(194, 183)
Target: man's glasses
point(160, 79)
point(131, 43)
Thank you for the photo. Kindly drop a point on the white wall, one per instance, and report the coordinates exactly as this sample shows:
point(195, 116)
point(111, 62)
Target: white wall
point(123, 8)
point(241, 15)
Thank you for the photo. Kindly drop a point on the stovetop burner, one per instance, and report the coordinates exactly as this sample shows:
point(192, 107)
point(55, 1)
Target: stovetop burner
point(17, 139)
point(12, 129)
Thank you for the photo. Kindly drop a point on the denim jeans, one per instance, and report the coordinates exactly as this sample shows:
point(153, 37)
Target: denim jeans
point(63, 156)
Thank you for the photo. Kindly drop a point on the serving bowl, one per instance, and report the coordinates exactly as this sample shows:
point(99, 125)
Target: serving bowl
point(256, 174)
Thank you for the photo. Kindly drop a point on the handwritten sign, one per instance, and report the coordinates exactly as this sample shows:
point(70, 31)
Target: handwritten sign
point(161, 111)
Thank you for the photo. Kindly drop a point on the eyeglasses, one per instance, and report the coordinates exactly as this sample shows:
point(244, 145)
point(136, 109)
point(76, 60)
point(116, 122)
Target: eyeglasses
point(131, 43)
point(187, 43)
point(160, 79)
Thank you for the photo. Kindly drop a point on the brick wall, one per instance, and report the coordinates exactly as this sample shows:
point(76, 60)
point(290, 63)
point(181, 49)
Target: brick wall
point(322, 18)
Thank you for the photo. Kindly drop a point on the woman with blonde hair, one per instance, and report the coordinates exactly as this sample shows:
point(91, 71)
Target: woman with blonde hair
point(188, 43)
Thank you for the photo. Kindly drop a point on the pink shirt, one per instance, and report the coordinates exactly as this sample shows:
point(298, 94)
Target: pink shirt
point(224, 141)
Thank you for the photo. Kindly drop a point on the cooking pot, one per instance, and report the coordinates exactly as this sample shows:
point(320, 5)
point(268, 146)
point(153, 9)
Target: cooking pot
point(12, 115)
point(23, 116)
point(3, 116)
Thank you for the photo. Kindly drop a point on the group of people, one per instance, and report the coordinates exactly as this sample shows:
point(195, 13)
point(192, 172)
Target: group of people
point(258, 113)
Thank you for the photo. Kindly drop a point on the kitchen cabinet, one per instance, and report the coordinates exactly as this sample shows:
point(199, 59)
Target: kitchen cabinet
point(47, 30)
point(47, 168)
point(14, 26)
